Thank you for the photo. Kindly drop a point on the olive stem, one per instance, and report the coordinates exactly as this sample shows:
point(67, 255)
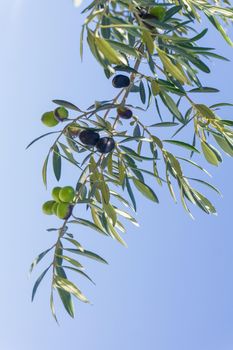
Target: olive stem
point(132, 78)
point(114, 100)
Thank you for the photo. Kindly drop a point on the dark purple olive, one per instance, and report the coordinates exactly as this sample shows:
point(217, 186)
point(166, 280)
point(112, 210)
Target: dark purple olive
point(124, 113)
point(105, 145)
point(120, 81)
point(89, 137)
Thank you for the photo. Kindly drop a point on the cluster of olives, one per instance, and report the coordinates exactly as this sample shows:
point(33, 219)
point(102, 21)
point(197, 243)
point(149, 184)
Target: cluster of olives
point(87, 137)
point(62, 203)
point(52, 118)
point(92, 138)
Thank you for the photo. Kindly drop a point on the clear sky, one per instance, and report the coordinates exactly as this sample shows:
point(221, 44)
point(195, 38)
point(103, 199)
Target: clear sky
point(172, 288)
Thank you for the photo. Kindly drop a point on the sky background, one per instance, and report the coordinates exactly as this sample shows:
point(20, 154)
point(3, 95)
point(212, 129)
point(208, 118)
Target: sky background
point(172, 288)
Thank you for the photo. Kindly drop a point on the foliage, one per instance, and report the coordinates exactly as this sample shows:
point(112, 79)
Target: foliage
point(122, 35)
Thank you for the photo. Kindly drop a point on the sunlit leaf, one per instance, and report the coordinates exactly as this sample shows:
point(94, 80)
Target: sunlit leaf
point(69, 287)
point(182, 144)
point(145, 190)
point(66, 301)
point(210, 156)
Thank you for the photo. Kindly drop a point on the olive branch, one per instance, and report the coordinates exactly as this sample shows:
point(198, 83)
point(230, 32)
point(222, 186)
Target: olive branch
point(114, 151)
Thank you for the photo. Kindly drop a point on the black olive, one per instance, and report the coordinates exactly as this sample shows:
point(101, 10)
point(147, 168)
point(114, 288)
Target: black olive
point(105, 145)
point(89, 137)
point(120, 81)
point(124, 113)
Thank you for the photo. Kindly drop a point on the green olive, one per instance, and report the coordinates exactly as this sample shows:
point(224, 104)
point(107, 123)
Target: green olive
point(61, 113)
point(49, 119)
point(67, 194)
point(55, 194)
point(47, 207)
point(64, 210)
point(54, 208)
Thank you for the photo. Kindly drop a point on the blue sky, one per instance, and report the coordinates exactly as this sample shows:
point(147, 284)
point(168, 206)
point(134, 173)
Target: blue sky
point(172, 288)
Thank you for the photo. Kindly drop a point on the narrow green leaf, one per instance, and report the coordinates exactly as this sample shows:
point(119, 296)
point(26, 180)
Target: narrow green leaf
point(70, 260)
point(44, 170)
point(184, 203)
point(219, 27)
point(223, 104)
point(114, 233)
point(66, 301)
point(68, 153)
point(227, 122)
point(206, 184)
point(204, 202)
point(67, 104)
point(127, 216)
point(182, 144)
point(145, 190)
point(142, 92)
point(123, 48)
point(171, 190)
point(163, 124)
point(155, 88)
point(80, 272)
point(87, 223)
point(108, 52)
point(81, 42)
point(110, 211)
point(38, 281)
point(69, 287)
point(39, 258)
point(204, 89)
point(52, 307)
point(174, 163)
point(87, 254)
point(170, 104)
point(210, 156)
point(171, 67)
point(75, 243)
point(130, 192)
point(148, 40)
point(171, 12)
point(224, 144)
point(40, 137)
point(195, 164)
point(56, 162)
point(105, 192)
